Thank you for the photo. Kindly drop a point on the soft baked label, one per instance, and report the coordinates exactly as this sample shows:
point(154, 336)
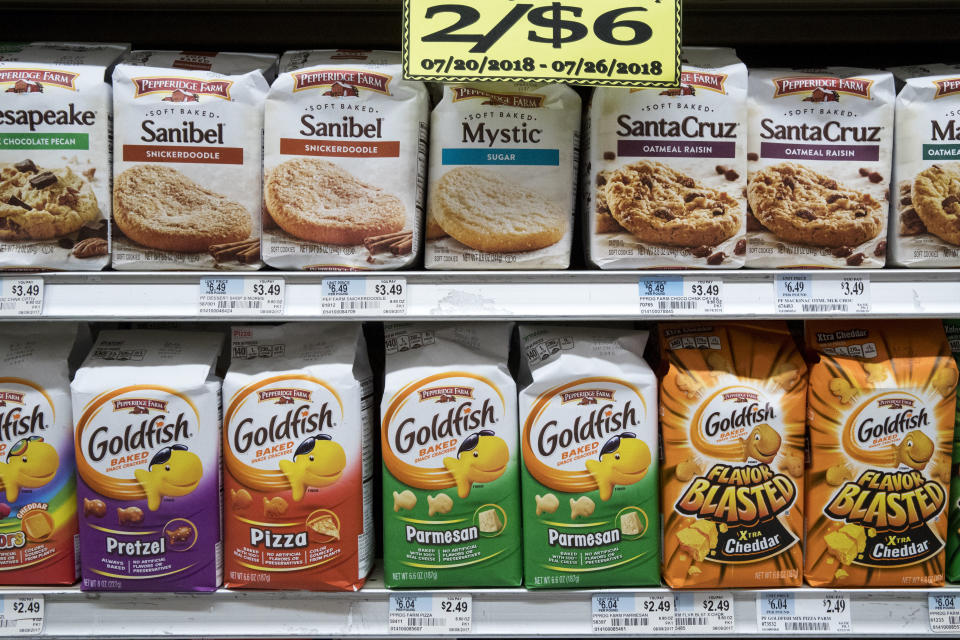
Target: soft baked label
point(819, 163)
point(664, 185)
point(503, 165)
point(882, 405)
point(187, 162)
point(925, 222)
point(732, 413)
point(345, 161)
point(55, 124)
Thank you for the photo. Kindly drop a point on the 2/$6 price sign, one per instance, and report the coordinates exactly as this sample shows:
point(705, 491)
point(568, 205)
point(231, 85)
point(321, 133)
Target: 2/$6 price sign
point(629, 43)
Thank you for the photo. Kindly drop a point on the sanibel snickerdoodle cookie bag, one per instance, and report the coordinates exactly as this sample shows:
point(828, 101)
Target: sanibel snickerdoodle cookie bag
point(818, 164)
point(666, 169)
point(345, 158)
point(187, 159)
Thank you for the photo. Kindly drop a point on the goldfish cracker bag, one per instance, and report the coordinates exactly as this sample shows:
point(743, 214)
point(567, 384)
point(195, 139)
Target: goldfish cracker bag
point(147, 441)
point(952, 328)
point(38, 503)
point(732, 406)
point(880, 416)
point(588, 419)
point(298, 471)
point(451, 488)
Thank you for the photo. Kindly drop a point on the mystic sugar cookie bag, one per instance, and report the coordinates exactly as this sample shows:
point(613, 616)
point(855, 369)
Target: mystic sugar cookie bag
point(588, 419)
point(298, 450)
point(732, 404)
point(881, 419)
point(147, 440)
point(448, 437)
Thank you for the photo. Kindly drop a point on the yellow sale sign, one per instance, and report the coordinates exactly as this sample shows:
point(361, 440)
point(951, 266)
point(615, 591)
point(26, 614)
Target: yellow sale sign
point(629, 43)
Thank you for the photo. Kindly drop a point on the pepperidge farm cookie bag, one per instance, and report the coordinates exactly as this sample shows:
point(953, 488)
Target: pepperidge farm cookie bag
point(55, 115)
point(732, 405)
point(588, 420)
point(147, 441)
point(298, 450)
point(667, 168)
point(502, 182)
point(187, 158)
point(818, 164)
point(881, 420)
point(345, 162)
point(448, 438)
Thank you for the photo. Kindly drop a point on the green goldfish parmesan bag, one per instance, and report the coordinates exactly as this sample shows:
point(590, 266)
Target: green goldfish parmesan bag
point(588, 419)
point(952, 328)
point(451, 488)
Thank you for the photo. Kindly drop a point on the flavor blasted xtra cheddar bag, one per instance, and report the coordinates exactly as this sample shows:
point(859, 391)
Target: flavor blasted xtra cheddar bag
point(147, 442)
point(952, 328)
point(298, 475)
point(589, 434)
point(451, 488)
point(881, 417)
point(732, 407)
point(38, 512)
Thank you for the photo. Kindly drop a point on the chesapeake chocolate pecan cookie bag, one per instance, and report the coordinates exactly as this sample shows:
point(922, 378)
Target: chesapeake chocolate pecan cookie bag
point(732, 404)
point(818, 163)
point(666, 169)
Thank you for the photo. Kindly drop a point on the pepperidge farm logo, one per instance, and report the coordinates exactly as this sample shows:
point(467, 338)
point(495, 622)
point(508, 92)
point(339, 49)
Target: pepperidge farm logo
point(691, 81)
point(34, 80)
point(341, 83)
point(140, 405)
point(524, 100)
point(946, 87)
point(284, 396)
point(182, 89)
point(822, 88)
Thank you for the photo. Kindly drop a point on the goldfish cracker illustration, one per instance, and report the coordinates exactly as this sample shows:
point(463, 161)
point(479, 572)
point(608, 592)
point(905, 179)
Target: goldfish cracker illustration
point(146, 405)
point(688, 385)
point(448, 423)
point(298, 444)
point(483, 457)
point(38, 502)
point(588, 410)
point(842, 389)
point(945, 381)
point(951, 462)
point(879, 515)
point(180, 535)
point(733, 503)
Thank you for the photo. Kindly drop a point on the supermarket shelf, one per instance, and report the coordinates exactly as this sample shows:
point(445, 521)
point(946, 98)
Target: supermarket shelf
point(550, 295)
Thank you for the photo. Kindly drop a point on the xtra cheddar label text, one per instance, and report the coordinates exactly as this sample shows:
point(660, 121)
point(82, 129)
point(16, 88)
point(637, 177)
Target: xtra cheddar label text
point(633, 43)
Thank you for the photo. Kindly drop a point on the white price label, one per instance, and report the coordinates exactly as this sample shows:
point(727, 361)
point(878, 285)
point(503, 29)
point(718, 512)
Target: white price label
point(632, 613)
point(418, 613)
point(22, 616)
point(21, 297)
point(364, 296)
point(786, 612)
point(944, 613)
point(704, 612)
point(681, 295)
point(822, 293)
point(234, 296)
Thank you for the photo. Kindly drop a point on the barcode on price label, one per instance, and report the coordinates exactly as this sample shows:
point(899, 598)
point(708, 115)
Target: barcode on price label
point(413, 613)
point(632, 612)
point(363, 296)
point(944, 613)
point(21, 297)
point(681, 295)
point(237, 296)
point(704, 612)
point(786, 612)
point(22, 616)
point(822, 293)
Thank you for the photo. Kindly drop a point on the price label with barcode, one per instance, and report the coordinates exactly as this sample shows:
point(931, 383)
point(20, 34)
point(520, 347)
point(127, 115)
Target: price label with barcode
point(632, 612)
point(364, 296)
point(704, 612)
point(21, 297)
point(681, 295)
point(786, 612)
point(22, 616)
point(822, 293)
point(944, 613)
point(235, 296)
point(416, 613)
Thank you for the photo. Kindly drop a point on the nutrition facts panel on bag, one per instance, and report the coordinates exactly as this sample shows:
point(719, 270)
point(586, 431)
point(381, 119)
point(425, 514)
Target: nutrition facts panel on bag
point(363, 296)
point(241, 296)
point(21, 297)
point(22, 616)
point(426, 614)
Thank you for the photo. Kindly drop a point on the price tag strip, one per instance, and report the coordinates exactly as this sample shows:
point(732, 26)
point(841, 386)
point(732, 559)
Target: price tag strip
point(235, 296)
point(22, 616)
point(681, 295)
point(633, 613)
point(944, 613)
point(364, 296)
point(432, 614)
point(823, 293)
point(704, 612)
point(595, 42)
point(21, 297)
point(785, 612)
